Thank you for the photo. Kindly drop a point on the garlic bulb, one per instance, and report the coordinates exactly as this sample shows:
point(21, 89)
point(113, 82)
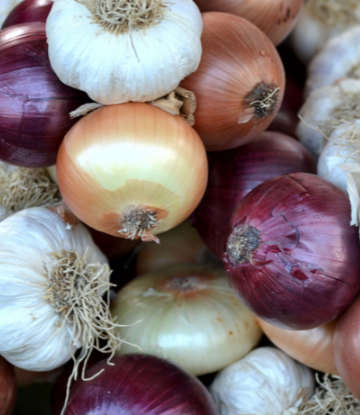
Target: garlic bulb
point(124, 50)
point(339, 58)
point(321, 20)
point(21, 188)
point(339, 163)
point(325, 109)
point(52, 280)
point(186, 313)
point(265, 382)
point(6, 7)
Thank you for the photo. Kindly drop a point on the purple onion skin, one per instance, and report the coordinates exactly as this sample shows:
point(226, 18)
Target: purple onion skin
point(234, 173)
point(34, 103)
point(139, 385)
point(305, 271)
point(29, 11)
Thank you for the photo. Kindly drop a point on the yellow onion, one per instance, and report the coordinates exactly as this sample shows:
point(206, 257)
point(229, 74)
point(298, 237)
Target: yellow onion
point(132, 170)
point(187, 313)
point(313, 348)
point(178, 246)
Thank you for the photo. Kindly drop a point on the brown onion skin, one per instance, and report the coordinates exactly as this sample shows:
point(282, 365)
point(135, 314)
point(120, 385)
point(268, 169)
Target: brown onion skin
point(29, 11)
point(237, 57)
point(276, 18)
point(8, 387)
point(305, 270)
point(234, 173)
point(314, 348)
point(34, 104)
point(346, 345)
point(139, 384)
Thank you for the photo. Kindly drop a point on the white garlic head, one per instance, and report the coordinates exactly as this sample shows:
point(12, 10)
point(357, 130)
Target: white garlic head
point(321, 20)
point(45, 266)
point(339, 163)
point(265, 382)
point(338, 59)
point(124, 50)
point(325, 109)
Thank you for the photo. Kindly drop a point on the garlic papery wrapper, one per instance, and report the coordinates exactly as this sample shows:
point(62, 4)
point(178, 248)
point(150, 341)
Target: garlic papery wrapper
point(325, 109)
point(6, 7)
point(265, 382)
point(52, 279)
point(21, 188)
point(339, 58)
point(339, 163)
point(188, 314)
point(124, 50)
point(321, 20)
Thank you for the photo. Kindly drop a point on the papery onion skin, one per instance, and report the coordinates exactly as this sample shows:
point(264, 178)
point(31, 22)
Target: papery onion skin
point(29, 11)
point(131, 155)
point(34, 104)
point(139, 385)
point(314, 348)
point(180, 245)
point(346, 345)
point(298, 267)
point(8, 387)
point(234, 173)
point(275, 18)
point(238, 69)
point(187, 313)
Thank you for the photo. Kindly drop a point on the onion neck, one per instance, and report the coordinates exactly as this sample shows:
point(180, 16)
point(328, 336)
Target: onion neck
point(124, 16)
point(242, 243)
point(335, 13)
point(264, 99)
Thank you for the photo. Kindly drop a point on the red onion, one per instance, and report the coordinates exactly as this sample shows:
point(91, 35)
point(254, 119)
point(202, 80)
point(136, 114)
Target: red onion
point(29, 11)
point(234, 173)
point(34, 104)
point(139, 384)
point(8, 387)
point(292, 255)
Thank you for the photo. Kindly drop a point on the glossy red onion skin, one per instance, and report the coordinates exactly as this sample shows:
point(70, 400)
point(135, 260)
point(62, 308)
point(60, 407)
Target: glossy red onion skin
point(8, 387)
point(29, 11)
point(305, 271)
point(234, 173)
point(140, 384)
point(34, 104)
point(346, 345)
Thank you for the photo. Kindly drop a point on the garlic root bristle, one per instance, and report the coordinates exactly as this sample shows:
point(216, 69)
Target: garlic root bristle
point(123, 16)
point(21, 188)
point(331, 396)
point(139, 222)
point(75, 291)
point(335, 13)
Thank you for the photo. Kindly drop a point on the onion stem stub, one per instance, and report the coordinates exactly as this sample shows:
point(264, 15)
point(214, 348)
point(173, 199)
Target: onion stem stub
point(264, 99)
point(123, 16)
point(241, 244)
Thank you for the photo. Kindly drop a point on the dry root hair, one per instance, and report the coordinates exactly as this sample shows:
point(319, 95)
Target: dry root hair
point(335, 13)
point(22, 188)
point(123, 16)
point(331, 397)
point(76, 291)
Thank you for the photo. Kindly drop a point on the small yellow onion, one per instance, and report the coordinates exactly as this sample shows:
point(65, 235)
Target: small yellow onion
point(276, 18)
point(178, 246)
point(189, 314)
point(132, 170)
point(313, 348)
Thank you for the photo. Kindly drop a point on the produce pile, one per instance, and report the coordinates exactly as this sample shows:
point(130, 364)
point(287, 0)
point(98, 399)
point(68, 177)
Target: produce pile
point(180, 206)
